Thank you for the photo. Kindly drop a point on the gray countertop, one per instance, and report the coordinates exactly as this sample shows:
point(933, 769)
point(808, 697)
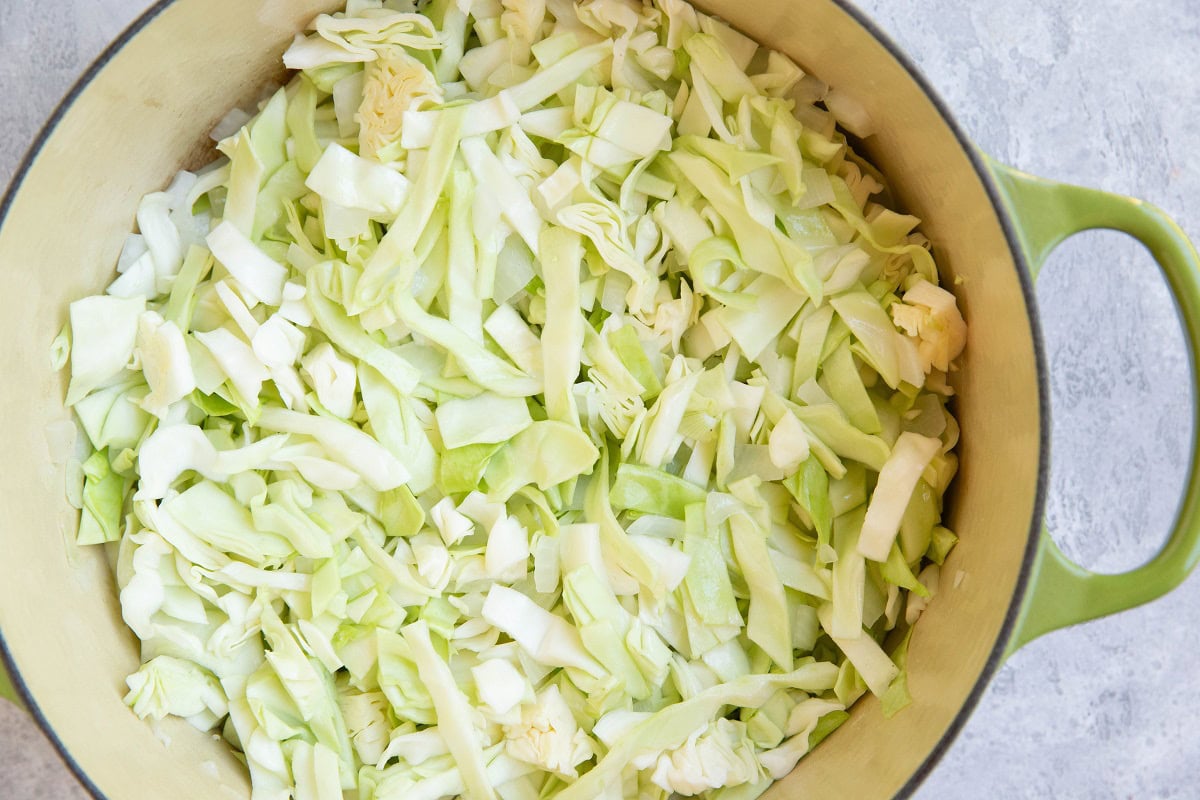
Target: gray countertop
point(1103, 93)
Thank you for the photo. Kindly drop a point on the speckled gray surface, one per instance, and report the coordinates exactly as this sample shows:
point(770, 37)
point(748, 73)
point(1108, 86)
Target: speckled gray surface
point(1102, 92)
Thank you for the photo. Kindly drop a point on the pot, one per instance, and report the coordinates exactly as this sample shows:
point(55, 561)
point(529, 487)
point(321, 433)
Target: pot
point(143, 111)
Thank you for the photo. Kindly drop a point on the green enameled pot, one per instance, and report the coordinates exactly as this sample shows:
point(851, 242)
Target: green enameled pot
point(144, 110)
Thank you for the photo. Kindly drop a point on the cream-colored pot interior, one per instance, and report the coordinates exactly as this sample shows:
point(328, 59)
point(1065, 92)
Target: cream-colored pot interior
point(148, 111)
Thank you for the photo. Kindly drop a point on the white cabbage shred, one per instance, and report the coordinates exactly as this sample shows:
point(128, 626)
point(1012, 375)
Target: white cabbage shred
point(535, 399)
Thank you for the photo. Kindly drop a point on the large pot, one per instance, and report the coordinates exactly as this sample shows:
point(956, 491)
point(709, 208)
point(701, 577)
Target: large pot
point(143, 111)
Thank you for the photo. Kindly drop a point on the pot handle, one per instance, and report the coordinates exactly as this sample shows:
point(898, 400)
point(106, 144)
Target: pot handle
point(1060, 592)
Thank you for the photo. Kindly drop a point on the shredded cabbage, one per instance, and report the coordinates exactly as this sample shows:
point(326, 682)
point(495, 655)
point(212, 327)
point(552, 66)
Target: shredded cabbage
point(535, 399)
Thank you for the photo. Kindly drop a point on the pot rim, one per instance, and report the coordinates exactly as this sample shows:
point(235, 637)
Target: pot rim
point(1024, 277)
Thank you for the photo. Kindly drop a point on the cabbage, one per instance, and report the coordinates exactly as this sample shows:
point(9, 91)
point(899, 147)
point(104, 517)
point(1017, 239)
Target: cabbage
point(349, 180)
point(544, 636)
point(535, 399)
point(103, 336)
point(928, 313)
point(453, 711)
point(672, 725)
point(255, 271)
point(103, 498)
point(548, 735)
point(897, 479)
point(562, 331)
point(767, 623)
point(166, 685)
point(484, 418)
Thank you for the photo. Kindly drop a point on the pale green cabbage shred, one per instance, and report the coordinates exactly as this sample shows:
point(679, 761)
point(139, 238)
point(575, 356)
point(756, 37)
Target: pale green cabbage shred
point(536, 399)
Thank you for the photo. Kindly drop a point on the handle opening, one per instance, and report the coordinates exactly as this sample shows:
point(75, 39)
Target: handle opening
point(1120, 400)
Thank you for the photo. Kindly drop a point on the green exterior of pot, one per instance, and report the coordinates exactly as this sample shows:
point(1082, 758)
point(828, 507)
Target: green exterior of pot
point(6, 688)
point(1045, 213)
